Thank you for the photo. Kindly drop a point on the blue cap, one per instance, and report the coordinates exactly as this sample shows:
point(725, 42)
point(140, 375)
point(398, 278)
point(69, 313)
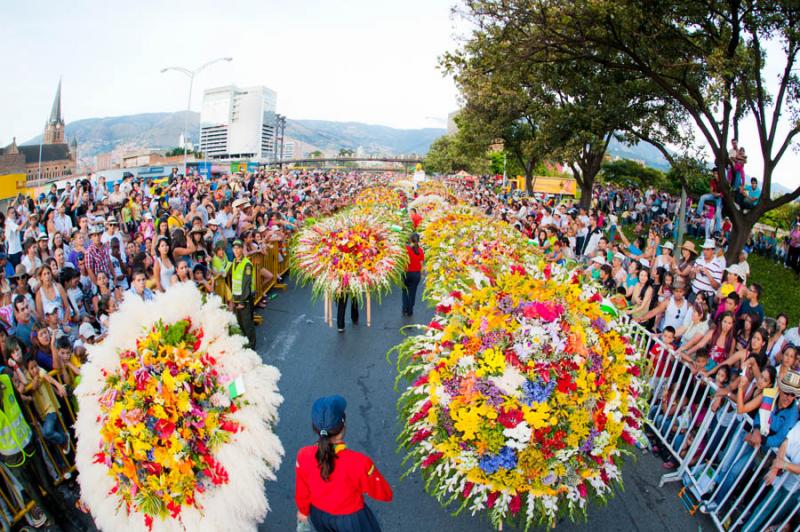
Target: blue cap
point(327, 414)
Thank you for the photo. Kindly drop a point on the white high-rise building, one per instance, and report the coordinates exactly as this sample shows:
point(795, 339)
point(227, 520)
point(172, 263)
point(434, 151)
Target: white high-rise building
point(238, 123)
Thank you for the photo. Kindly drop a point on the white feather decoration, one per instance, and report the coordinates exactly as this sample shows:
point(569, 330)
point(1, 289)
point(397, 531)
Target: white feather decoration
point(251, 456)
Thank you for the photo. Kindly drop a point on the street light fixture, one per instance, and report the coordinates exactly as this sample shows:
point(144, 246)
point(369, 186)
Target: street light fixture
point(191, 74)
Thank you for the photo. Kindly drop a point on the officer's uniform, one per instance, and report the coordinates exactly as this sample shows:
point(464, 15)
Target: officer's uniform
point(243, 284)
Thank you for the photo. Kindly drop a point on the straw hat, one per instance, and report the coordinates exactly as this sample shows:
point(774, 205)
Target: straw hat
point(790, 383)
point(689, 246)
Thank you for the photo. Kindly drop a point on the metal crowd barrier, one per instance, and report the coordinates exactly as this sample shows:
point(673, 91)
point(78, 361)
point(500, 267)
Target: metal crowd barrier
point(722, 475)
point(275, 261)
point(14, 503)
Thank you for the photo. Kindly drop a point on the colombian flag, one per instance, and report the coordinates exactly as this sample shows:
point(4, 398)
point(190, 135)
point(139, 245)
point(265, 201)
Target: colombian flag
point(765, 410)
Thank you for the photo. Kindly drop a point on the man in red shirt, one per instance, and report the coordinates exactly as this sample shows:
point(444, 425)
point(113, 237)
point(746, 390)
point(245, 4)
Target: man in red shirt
point(331, 480)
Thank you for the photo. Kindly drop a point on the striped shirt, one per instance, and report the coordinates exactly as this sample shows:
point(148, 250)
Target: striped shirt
point(715, 266)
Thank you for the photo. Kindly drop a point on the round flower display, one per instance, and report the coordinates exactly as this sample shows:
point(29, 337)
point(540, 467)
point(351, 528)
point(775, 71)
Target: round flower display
point(176, 419)
point(425, 205)
point(525, 396)
point(351, 253)
point(382, 195)
point(463, 248)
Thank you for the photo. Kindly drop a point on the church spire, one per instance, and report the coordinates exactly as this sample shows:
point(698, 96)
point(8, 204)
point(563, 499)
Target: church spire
point(54, 132)
point(55, 112)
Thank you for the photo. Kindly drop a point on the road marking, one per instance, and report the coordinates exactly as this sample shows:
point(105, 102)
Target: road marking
point(285, 341)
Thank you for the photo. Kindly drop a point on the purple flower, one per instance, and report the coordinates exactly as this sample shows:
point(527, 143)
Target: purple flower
point(490, 391)
point(589, 443)
point(505, 304)
point(600, 324)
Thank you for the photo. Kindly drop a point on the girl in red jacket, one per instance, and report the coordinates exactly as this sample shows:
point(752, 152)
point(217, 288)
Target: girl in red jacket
point(331, 480)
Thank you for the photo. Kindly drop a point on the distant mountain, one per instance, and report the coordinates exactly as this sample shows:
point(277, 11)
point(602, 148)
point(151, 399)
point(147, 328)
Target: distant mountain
point(645, 152)
point(163, 130)
point(331, 136)
point(148, 130)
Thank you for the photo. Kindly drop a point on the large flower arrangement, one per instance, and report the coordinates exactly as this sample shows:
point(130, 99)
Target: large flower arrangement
point(524, 398)
point(432, 187)
point(426, 205)
point(382, 195)
point(351, 253)
point(463, 247)
point(166, 439)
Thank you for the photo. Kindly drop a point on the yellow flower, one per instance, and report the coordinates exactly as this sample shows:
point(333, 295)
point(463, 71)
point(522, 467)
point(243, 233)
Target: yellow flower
point(537, 415)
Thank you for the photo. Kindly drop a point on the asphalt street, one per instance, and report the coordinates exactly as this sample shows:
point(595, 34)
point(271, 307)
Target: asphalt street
point(316, 360)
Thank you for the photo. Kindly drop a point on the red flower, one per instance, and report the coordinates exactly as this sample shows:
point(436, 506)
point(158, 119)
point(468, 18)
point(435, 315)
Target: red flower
point(510, 418)
point(174, 509)
point(152, 468)
point(518, 269)
point(148, 522)
point(565, 384)
point(420, 435)
point(432, 459)
point(634, 370)
point(594, 299)
point(467, 489)
point(582, 489)
point(456, 294)
point(547, 271)
point(443, 309)
point(421, 414)
point(627, 438)
point(99, 458)
point(515, 505)
point(164, 428)
point(435, 325)
point(419, 382)
point(492, 499)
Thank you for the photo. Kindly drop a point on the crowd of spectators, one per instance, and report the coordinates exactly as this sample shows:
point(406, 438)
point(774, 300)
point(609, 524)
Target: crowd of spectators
point(72, 255)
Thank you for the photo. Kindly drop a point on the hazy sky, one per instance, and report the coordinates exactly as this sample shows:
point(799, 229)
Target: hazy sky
point(369, 61)
point(361, 60)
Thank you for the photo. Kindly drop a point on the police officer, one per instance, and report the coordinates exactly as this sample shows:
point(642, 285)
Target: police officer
point(243, 285)
point(331, 480)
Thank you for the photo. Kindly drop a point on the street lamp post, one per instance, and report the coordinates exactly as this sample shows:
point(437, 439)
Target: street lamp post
point(191, 74)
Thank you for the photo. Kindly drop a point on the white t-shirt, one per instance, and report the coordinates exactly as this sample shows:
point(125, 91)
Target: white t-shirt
point(789, 480)
point(13, 243)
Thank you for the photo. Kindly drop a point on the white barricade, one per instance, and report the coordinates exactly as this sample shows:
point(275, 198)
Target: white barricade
point(722, 474)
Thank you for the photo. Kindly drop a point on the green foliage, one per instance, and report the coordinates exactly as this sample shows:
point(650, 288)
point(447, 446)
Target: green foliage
point(628, 173)
point(781, 289)
point(175, 152)
point(450, 154)
point(782, 217)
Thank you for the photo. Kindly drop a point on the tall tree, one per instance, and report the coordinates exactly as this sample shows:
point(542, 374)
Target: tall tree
point(501, 106)
point(706, 56)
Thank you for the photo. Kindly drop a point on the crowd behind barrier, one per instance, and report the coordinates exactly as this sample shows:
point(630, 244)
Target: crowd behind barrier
point(69, 257)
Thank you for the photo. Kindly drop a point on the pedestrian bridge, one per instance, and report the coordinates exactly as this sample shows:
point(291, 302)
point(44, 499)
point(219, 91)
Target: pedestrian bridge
point(406, 159)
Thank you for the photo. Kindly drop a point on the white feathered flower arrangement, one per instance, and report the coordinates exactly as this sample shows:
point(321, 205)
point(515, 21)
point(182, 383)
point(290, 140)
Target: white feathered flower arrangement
point(176, 416)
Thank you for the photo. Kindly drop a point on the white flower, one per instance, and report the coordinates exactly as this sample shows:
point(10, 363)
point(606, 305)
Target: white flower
point(510, 381)
point(220, 400)
point(519, 436)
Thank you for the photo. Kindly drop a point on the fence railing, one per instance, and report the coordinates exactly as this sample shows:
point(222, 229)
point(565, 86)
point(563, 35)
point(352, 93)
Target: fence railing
point(722, 474)
point(275, 261)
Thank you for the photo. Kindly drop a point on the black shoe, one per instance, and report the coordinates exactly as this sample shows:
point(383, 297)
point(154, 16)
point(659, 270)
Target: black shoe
point(341, 330)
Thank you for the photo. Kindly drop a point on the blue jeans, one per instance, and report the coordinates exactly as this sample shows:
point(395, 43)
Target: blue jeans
point(718, 208)
point(733, 475)
point(767, 507)
point(51, 429)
